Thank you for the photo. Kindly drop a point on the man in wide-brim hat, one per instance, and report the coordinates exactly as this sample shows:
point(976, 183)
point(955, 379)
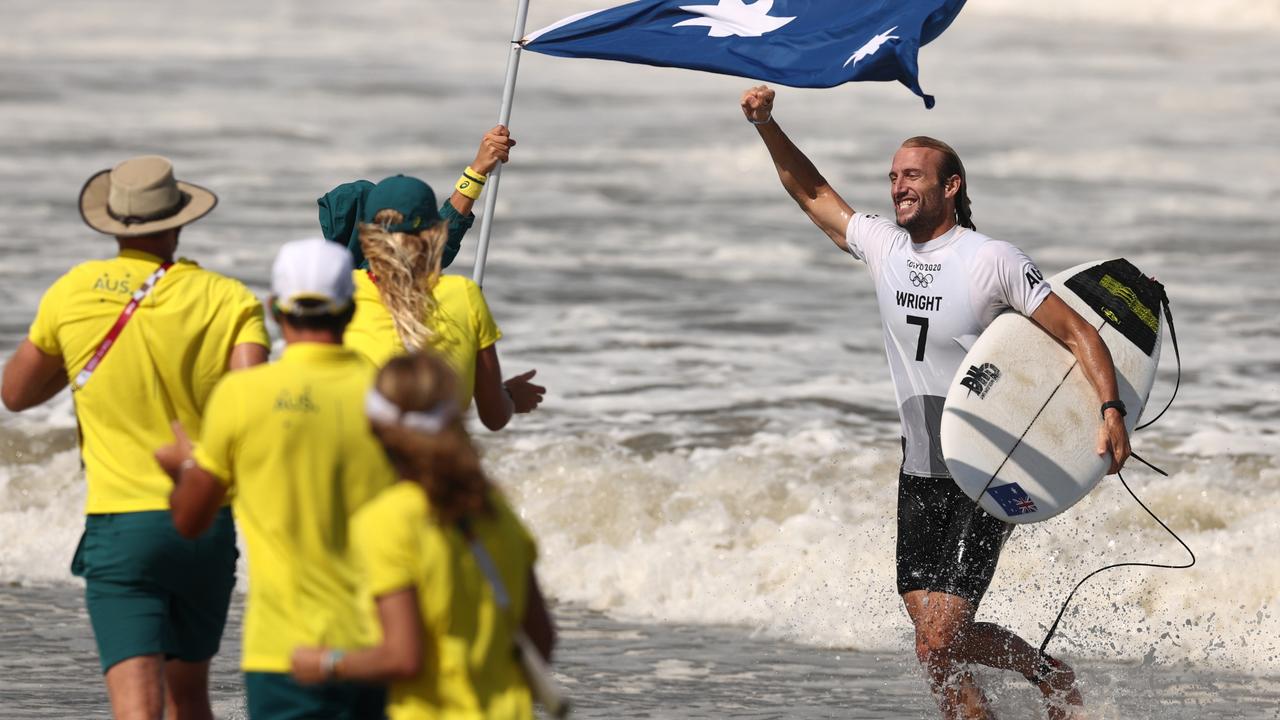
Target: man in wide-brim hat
point(142, 339)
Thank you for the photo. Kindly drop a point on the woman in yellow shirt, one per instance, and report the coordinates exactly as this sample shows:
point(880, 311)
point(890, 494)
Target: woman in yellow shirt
point(404, 303)
point(448, 646)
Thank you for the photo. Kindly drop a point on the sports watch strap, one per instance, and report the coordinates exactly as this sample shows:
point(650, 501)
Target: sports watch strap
point(1117, 404)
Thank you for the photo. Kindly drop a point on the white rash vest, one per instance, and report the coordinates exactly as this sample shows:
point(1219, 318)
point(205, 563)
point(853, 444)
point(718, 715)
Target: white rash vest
point(935, 299)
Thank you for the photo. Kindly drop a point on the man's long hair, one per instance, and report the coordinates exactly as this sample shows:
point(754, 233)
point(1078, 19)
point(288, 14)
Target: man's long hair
point(951, 165)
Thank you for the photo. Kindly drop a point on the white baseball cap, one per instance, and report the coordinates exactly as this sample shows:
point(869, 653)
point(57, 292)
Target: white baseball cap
point(315, 270)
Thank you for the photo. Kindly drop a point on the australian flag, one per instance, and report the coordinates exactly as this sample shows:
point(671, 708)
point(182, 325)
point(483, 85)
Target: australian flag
point(1013, 499)
point(801, 43)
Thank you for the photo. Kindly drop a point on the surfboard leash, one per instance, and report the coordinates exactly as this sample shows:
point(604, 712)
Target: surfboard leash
point(1054, 628)
point(1173, 336)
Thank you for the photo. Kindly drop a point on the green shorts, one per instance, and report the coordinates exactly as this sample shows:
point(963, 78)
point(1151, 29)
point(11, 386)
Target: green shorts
point(277, 696)
point(151, 591)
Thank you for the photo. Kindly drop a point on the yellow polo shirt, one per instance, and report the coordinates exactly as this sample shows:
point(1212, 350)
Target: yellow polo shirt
point(162, 368)
point(470, 671)
point(291, 442)
point(462, 326)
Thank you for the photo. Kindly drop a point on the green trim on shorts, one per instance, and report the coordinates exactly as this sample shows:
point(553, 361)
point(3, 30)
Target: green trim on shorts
point(277, 696)
point(150, 591)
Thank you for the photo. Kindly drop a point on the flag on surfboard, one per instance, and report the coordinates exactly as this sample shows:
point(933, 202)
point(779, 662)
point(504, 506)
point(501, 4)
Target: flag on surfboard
point(801, 43)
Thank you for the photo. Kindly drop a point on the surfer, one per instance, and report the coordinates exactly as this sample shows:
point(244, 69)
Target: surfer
point(157, 601)
point(938, 280)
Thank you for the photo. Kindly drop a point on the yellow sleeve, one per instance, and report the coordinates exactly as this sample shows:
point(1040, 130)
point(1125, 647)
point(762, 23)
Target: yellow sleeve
point(487, 332)
point(250, 324)
point(215, 450)
point(382, 539)
point(44, 329)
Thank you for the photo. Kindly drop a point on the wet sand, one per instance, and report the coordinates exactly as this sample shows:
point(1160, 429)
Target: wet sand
point(616, 669)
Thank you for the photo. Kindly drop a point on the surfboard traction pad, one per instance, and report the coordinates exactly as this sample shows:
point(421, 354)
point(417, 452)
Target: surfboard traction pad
point(1128, 300)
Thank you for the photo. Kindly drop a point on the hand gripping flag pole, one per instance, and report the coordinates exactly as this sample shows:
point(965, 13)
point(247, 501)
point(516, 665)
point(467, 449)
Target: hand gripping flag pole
point(504, 118)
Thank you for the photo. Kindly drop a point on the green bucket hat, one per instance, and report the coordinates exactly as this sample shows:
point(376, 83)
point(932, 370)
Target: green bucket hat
point(411, 197)
point(343, 208)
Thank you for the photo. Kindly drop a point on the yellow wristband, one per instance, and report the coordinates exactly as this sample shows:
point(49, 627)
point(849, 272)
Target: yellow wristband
point(470, 184)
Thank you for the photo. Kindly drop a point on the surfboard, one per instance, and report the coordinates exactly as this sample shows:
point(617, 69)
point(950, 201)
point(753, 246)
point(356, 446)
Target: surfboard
point(1020, 422)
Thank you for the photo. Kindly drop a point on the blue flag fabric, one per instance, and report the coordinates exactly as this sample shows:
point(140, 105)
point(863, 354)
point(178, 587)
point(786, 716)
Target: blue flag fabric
point(801, 43)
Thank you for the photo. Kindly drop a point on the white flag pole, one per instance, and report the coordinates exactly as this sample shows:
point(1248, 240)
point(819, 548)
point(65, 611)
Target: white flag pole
point(504, 118)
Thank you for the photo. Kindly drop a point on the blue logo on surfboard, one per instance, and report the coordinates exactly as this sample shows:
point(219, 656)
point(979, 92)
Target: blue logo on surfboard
point(1013, 499)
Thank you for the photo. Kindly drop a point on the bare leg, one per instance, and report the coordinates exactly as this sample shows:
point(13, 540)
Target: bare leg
point(947, 638)
point(991, 645)
point(937, 625)
point(187, 690)
point(136, 688)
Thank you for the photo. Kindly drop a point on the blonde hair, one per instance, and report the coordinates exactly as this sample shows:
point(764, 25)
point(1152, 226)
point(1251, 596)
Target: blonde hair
point(407, 267)
point(445, 463)
point(949, 166)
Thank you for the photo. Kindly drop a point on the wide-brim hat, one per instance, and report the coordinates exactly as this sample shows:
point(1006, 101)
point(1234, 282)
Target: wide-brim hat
point(140, 196)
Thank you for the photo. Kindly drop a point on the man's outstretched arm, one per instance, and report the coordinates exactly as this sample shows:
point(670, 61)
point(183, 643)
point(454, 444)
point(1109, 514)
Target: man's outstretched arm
point(801, 179)
point(1083, 340)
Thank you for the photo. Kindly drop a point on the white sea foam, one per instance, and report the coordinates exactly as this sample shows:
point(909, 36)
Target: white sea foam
point(792, 534)
point(41, 518)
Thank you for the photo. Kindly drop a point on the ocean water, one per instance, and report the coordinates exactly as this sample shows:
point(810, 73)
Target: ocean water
point(716, 457)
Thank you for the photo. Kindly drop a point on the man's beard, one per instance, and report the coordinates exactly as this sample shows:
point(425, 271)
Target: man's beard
point(919, 219)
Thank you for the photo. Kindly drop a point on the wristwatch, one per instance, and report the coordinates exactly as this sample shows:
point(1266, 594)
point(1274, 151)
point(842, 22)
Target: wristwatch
point(1117, 404)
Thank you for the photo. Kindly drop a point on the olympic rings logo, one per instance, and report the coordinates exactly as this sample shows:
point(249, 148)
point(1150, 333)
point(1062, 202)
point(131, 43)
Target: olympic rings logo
point(921, 280)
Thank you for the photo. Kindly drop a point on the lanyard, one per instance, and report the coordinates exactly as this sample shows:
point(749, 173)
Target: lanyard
point(107, 342)
point(536, 672)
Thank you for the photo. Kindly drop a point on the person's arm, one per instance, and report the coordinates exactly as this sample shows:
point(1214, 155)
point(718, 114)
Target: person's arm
point(250, 343)
point(197, 493)
point(398, 658)
point(537, 623)
point(1065, 324)
point(31, 377)
point(195, 500)
point(799, 176)
point(246, 355)
point(495, 147)
point(496, 400)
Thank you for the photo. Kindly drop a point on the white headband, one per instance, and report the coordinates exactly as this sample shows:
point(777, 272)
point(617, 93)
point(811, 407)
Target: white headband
point(379, 409)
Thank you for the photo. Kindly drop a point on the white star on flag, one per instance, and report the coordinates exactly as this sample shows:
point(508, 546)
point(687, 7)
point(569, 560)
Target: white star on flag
point(871, 47)
point(733, 17)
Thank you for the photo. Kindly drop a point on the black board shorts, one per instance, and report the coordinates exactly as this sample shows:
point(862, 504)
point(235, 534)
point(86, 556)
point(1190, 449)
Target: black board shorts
point(945, 543)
